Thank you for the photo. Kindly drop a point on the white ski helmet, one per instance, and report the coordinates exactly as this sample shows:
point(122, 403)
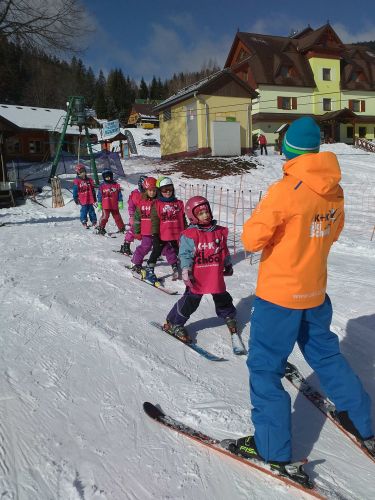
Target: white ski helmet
point(165, 181)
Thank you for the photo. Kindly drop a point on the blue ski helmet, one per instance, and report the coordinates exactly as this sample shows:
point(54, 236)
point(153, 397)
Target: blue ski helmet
point(107, 173)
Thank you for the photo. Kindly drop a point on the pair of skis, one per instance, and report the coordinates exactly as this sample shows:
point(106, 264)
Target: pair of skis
point(238, 347)
point(159, 416)
point(294, 376)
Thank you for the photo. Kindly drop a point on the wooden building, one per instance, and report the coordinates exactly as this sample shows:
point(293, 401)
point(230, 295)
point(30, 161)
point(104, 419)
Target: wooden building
point(143, 114)
point(33, 133)
point(210, 117)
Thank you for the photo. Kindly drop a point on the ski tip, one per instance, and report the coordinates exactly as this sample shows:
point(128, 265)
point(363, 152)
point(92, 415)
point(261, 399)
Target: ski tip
point(151, 410)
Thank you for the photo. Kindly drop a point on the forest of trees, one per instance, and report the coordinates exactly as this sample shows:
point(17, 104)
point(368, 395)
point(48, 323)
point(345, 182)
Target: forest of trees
point(30, 77)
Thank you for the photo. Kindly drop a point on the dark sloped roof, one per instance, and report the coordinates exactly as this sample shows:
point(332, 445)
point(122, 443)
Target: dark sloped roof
point(341, 115)
point(144, 109)
point(358, 59)
point(269, 53)
point(314, 38)
point(302, 33)
point(205, 85)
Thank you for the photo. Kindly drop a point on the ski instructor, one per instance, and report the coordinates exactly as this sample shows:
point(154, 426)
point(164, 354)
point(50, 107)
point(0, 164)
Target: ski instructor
point(295, 225)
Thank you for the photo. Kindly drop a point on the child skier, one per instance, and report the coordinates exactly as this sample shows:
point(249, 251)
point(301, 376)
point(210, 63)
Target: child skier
point(167, 222)
point(205, 260)
point(84, 195)
point(110, 202)
point(143, 227)
point(133, 200)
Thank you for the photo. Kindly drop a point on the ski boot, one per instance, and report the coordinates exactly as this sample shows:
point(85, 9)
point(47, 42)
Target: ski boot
point(122, 230)
point(175, 272)
point(101, 230)
point(85, 226)
point(246, 448)
point(148, 275)
point(136, 269)
point(178, 331)
point(237, 344)
point(231, 324)
point(125, 249)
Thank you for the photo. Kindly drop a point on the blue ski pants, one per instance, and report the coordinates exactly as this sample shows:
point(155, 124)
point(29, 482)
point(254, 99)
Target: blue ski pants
point(189, 303)
point(87, 209)
point(274, 331)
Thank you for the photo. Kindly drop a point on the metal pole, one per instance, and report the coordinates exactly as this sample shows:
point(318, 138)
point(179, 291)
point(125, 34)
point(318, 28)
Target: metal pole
point(92, 158)
point(61, 141)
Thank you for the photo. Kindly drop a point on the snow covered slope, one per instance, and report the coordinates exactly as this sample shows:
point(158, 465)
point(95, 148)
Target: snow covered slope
point(78, 358)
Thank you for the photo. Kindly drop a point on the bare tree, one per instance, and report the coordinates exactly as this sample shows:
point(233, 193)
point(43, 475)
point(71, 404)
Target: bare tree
point(49, 25)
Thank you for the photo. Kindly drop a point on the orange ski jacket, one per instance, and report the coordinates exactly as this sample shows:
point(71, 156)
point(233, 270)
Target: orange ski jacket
point(295, 225)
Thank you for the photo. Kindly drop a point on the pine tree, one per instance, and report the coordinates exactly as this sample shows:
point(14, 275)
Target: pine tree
point(153, 89)
point(143, 90)
point(100, 103)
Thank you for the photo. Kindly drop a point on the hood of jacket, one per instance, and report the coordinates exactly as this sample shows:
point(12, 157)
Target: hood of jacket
point(319, 171)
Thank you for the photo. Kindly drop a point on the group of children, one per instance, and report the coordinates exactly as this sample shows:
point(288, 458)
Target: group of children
point(109, 199)
point(197, 246)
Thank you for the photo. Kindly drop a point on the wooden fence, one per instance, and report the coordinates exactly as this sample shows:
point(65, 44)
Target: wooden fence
point(365, 144)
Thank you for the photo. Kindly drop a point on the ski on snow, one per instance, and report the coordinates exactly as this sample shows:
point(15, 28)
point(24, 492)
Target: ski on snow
point(160, 285)
point(295, 377)
point(158, 415)
point(198, 349)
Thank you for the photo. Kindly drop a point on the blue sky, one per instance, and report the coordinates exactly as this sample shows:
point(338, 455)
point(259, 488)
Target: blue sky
point(161, 37)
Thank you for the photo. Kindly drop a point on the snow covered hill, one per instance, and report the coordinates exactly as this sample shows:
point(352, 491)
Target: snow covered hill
point(79, 357)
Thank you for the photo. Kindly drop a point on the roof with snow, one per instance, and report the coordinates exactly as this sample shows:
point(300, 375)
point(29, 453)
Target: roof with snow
point(33, 118)
point(205, 86)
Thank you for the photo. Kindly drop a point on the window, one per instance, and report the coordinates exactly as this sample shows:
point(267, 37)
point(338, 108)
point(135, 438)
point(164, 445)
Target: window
point(167, 115)
point(327, 104)
point(242, 55)
point(35, 147)
point(349, 132)
point(327, 74)
point(284, 71)
point(243, 75)
point(354, 76)
point(362, 132)
point(13, 145)
point(286, 102)
point(357, 106)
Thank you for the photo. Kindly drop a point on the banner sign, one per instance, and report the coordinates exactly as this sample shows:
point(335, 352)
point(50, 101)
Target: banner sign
point(111, 128)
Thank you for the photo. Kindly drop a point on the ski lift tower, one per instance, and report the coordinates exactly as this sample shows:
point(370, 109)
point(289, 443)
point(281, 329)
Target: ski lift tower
point(75, 115)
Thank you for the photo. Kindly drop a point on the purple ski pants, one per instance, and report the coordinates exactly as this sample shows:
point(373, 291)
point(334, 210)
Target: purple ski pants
point(145, 247)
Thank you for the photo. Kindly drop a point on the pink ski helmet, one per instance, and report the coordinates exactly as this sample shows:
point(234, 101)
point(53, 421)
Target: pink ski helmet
point(149, 183)
point(191, 206)
point(80, 168)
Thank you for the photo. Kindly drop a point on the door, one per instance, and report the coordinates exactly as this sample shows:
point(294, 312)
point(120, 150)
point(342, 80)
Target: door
point(192, 127)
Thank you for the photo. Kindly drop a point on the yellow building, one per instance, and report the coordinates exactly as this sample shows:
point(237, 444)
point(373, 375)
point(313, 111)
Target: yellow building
point(311, 73)
point(210, 117)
